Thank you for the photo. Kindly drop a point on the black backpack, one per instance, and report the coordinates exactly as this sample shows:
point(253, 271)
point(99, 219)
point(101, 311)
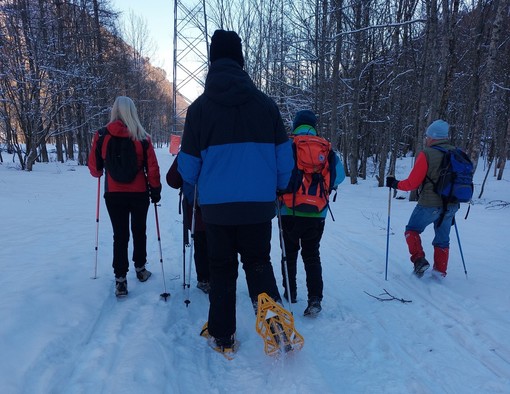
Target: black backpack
point(121, 161)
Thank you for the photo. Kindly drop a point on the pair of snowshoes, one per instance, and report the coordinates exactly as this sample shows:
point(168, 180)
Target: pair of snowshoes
point(274, 324)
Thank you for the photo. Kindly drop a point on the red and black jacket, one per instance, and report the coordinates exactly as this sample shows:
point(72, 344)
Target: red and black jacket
point(148, 176)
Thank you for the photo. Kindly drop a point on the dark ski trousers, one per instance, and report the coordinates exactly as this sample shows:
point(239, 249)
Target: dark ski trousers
point(253, 243)
point(122, 206)
point(200, 256)
point(303, 233)
point(199, 239)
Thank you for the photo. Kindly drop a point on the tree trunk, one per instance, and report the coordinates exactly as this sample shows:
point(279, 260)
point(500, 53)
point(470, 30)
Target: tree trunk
point(485, 94)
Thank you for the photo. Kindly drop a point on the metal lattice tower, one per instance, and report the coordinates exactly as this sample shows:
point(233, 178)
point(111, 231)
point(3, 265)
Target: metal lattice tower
point(191, 53)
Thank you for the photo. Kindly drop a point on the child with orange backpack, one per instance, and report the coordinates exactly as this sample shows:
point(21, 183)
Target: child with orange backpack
point(304, 206)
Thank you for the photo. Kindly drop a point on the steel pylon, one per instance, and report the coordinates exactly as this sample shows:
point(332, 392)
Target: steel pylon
point(190, 56)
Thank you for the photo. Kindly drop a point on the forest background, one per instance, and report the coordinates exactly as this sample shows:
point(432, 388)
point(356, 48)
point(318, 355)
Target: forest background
point(376, 72)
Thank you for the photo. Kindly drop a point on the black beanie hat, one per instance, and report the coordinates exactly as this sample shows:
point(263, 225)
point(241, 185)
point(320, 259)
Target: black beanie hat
point(226, 44)
point(306, 117)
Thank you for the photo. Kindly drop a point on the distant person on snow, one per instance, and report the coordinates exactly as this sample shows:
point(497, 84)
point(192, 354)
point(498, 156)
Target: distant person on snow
point(174, 180)
point(429, 209)
point(302, 225)
point(126, 195)
point(234, 147)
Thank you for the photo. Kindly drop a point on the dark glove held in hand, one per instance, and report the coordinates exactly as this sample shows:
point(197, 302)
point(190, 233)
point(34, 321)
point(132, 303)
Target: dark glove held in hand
point(155, 194)
point(392, 182)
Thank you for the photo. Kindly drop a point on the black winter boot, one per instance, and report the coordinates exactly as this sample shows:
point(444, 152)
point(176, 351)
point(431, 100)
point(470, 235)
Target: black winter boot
point(314, 306)
point(420, 266)
point(121, 286)
point(143, 274)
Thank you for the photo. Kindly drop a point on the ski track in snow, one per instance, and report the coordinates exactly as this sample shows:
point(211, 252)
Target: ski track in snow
point(71, 334)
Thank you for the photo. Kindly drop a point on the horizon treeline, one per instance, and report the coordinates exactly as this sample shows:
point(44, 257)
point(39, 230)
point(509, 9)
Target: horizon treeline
point(376, 72)
point(63, 63)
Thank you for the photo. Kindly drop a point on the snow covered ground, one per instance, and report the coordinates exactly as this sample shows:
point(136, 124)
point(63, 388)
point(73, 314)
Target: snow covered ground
point(63, 332)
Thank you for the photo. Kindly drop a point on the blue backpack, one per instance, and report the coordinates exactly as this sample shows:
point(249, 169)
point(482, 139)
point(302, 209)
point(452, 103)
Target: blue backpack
point(455, 183)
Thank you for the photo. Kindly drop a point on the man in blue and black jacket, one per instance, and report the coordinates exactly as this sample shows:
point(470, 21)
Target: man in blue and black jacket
point(235, 148)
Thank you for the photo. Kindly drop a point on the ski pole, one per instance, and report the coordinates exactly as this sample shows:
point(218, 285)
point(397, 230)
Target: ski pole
point(97, 223)
point(284, 254)
point(388, 234)
point(460, 247)
point(184, 246)
point(164, 295)
point(187, 301)
point(185, 239)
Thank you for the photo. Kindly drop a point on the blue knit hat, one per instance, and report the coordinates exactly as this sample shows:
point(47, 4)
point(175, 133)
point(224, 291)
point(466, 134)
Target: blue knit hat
point(438, 130)
point(306, 117)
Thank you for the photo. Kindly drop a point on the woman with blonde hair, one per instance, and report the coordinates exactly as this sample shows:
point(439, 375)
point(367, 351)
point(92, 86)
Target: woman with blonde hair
point(126, 196)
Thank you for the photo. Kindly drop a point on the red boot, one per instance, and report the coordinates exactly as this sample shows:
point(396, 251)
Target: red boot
point(441, 260)
point(414, 244)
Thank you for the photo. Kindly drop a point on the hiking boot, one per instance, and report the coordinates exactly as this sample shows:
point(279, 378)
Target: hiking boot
point(314, 307)
point(226, 346)
point(293, 298)
point(121, 286)
point(204, 286)
point(143, 274)
point(279, 334)
point(226, 342)
point(420, 266)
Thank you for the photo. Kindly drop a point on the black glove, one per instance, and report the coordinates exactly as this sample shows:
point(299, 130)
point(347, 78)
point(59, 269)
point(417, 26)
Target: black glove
point(280, 193)
point(392, 182)
point(155, 194)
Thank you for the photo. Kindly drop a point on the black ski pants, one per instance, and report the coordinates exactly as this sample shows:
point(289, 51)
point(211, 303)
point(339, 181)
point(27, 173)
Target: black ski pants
point(303, 233)
point(200, 256)
point(253, 243)
point(121, 207)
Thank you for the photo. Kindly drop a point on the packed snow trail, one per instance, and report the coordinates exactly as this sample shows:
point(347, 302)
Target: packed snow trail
point(63, 332)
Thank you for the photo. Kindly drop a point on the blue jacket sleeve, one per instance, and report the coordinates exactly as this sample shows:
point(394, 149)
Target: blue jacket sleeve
point(284, 164)
point(340, 172)
point(189, 167)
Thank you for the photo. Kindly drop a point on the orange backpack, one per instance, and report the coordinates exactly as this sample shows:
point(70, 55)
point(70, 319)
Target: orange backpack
point(310, 183)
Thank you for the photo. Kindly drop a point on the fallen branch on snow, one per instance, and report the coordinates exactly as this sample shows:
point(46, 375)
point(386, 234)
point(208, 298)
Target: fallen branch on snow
point(391, 297)
point(497, 204)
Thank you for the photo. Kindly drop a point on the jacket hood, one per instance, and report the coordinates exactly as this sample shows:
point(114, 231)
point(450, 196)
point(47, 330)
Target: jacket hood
point(117, 128)
point(304, 130)
point(228, 84)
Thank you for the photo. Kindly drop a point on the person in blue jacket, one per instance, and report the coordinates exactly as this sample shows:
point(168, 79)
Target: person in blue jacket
point(303, 230)
point(234, 147)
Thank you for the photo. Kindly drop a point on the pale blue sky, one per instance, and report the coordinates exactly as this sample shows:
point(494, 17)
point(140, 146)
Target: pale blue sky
point(159, 17)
